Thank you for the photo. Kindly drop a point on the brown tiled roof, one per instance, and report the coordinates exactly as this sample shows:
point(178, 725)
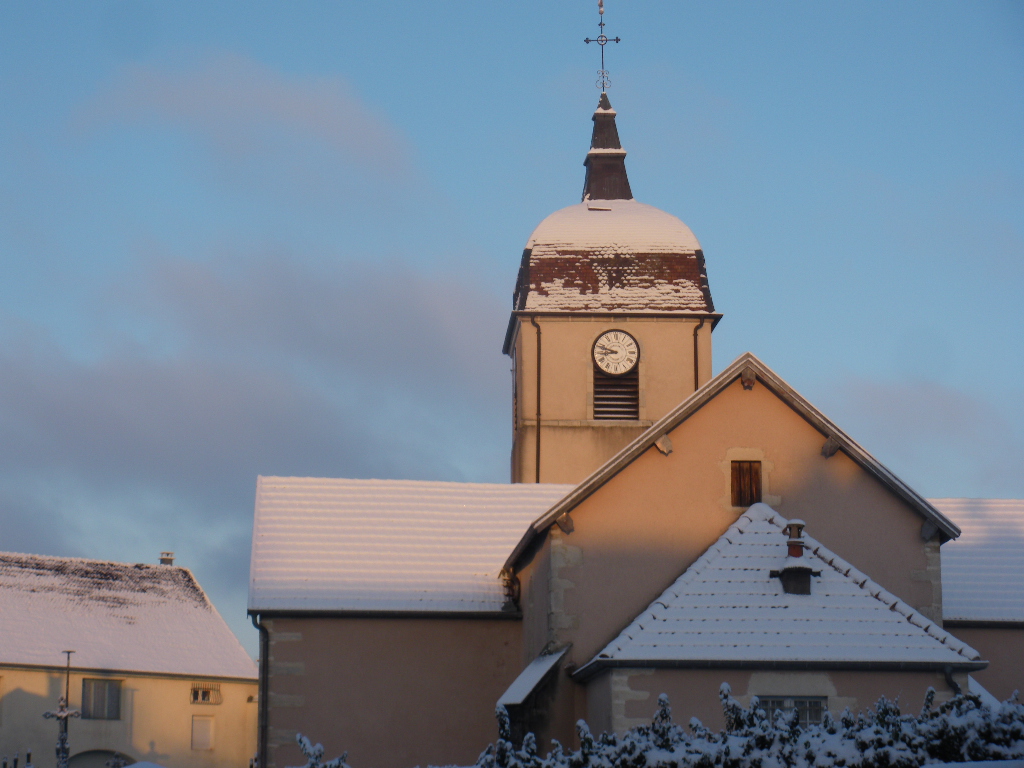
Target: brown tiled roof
point(613, 256)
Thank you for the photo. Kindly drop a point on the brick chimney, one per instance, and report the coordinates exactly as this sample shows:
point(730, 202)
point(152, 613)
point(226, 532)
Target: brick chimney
point(795, 530)
point(166, 558)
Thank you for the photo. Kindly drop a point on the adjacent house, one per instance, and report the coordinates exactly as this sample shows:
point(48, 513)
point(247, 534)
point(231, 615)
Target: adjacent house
point(983, 586)
point(665, 530)
point(156, 674)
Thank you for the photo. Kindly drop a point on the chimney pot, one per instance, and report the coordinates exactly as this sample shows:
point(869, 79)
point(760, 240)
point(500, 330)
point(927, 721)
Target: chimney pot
point(166, 558)
point(795, 530)
point(795, 576)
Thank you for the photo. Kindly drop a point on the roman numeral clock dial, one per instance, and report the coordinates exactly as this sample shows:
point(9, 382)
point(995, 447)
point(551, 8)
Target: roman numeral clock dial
point(616, 353)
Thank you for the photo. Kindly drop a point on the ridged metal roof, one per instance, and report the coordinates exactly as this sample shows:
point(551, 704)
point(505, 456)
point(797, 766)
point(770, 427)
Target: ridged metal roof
point(983, 570)
point(323, 544)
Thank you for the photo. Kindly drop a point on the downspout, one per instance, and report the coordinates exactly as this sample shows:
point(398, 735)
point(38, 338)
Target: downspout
point(953, 684)
point(533, 322)
point(696, 369)
point(262, 693)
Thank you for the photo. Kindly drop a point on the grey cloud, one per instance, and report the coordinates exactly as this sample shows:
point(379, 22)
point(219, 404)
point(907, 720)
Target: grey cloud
point(266, 367)
point(943, 441)
point(384, 326)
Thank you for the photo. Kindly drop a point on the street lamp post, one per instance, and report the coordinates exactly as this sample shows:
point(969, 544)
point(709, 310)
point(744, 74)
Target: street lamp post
point(61, 715)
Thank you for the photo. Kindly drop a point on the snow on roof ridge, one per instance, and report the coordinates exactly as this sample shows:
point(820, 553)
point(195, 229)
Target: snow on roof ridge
point(516, 487)
point(96, 561)
point(653, 228)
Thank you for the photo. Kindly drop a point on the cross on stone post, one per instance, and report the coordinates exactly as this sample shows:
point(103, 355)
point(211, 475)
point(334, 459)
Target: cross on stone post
point(61, 715)
point(602, 40)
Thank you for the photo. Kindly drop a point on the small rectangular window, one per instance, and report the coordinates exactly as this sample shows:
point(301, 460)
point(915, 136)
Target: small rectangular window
point(206, 693)
point(202, 731)
point(811, 708)
point(101, 699)
point(746, 483)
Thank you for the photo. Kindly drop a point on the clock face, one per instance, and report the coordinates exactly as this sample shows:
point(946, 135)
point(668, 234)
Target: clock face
point(616, 352)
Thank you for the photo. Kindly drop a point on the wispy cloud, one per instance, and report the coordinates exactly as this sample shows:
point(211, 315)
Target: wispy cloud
point(244, 109)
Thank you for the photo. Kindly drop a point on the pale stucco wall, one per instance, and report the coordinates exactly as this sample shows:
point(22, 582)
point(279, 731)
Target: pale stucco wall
point(394, 692)
point(646, 525)
point(619, 699)
point(573, 444)
point(636, 534)
point(155, 724)
point(1003, 648)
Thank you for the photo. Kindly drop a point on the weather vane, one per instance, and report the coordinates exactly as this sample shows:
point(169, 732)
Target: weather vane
point(602, 40)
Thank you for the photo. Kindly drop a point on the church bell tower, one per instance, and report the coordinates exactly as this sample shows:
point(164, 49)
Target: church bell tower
point(611, 322)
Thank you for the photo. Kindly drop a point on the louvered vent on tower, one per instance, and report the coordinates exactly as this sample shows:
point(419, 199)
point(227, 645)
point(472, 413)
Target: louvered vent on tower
point(617, 397)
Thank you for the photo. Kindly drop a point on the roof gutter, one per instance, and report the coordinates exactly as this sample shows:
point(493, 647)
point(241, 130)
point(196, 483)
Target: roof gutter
point(983, 623)
point(109, 672)
point(594, 667)
point(343, 613)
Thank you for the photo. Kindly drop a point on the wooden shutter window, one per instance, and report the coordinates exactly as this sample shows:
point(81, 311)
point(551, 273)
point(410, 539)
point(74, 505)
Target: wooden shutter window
point(617, 397)
point(746, 483)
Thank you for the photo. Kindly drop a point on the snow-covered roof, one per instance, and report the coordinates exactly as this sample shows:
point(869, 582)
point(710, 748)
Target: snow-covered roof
point(727, 608)
point(529, 678)
point(613, 255)
point(612, 228)
point(115, 616)
point(323, 544)
point(983, 570)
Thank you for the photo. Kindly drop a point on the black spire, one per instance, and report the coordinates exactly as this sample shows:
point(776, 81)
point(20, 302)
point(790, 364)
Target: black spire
point(606, 160)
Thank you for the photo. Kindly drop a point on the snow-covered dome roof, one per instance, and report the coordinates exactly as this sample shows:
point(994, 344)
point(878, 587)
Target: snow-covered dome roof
point(610, 253)
point(612, 227)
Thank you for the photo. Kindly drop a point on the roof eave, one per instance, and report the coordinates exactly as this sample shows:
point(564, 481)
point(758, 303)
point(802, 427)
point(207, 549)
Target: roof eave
point(60, 669)
point(594, 667)
point(332, 613)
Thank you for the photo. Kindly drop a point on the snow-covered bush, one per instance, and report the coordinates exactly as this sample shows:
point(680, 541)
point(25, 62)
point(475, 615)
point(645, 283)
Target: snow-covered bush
point(314, 754)
point(961, 729)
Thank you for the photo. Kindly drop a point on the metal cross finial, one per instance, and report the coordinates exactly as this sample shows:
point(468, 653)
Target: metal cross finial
point(602, 40)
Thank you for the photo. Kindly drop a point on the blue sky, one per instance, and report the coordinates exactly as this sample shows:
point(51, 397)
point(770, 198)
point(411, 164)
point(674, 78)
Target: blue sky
point(227, 228)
